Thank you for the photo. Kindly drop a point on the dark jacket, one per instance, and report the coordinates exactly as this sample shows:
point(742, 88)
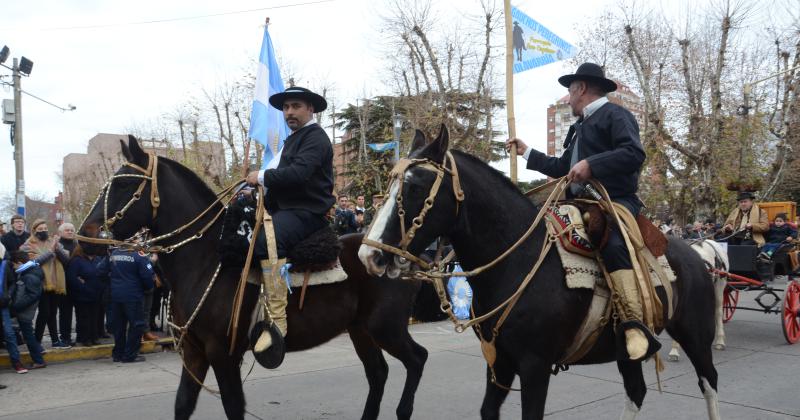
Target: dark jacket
point(85, 279)
point(777, 235)
point(304, 176)
point(12, 241)
point(69, 245)
point(609, 141)
point(27, 291)
point(131, 274)
point(345, 222)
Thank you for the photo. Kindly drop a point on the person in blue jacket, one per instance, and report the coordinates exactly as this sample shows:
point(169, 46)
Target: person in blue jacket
point(85, 288)
point(131, 275)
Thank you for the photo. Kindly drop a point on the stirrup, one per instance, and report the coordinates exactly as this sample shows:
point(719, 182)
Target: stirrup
point(271, 356)
point(653, 345)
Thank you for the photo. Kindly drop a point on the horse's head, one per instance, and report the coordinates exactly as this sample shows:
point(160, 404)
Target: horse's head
point(128, 201)
point(423, 204)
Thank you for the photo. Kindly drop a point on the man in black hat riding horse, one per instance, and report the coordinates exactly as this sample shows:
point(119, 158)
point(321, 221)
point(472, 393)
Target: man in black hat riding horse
point(603, 144)
point(299, 190)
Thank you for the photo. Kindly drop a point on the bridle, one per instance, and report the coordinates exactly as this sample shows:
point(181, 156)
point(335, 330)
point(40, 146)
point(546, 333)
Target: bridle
point(149, 174)
point(407, 235)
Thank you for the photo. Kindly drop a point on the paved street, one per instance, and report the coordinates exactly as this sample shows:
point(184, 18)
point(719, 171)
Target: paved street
point(759, 379)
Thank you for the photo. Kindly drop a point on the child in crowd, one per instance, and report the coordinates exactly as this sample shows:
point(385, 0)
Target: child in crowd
point(779, 233)
point(24, 295)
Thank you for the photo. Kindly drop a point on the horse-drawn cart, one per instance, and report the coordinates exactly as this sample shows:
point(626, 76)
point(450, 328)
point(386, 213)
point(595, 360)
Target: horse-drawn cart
point(744, 266)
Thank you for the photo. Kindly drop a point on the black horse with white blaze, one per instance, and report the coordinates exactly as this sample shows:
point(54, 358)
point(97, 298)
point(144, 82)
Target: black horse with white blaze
point(374, 313)
point(491, 218)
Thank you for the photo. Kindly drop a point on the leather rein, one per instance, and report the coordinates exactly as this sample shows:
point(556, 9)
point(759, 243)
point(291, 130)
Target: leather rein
point(149, 174)
point(407, 235)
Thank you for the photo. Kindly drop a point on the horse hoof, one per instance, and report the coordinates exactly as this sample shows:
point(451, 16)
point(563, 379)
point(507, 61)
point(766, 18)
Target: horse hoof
point(719, 347)
point(674, 358)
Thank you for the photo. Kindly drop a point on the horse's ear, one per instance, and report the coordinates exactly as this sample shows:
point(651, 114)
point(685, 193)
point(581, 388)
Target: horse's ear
point(138, 156)
point(419, 141)
point(126, 152)
point(436, 149)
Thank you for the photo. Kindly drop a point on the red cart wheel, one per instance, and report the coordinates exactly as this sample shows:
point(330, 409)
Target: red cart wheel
point(791, 312)
point(730, 297)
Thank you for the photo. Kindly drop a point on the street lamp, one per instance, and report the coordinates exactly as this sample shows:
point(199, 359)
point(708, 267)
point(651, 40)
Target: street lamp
point(398, 125)
point(19, 68)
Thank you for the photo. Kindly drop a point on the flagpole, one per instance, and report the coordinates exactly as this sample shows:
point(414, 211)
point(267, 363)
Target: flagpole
point(512, 132)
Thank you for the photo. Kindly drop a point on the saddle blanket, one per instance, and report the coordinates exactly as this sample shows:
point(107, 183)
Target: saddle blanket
point(584, 272)
point(333, 275)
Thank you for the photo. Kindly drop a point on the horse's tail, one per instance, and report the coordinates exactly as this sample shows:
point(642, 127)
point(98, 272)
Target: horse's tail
point(426, 305)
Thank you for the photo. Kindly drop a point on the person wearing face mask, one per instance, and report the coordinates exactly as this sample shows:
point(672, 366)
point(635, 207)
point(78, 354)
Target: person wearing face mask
point(48, 252)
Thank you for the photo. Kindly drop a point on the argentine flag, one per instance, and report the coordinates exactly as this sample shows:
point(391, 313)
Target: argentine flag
point(267, 125)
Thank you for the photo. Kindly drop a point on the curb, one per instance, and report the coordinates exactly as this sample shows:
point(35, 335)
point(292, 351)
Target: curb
point(100, 351)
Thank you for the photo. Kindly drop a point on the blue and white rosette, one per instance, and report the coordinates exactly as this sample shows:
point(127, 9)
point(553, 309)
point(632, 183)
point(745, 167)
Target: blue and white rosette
point(460, 295)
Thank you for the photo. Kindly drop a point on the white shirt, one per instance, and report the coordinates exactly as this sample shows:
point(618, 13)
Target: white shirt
point(588, 110)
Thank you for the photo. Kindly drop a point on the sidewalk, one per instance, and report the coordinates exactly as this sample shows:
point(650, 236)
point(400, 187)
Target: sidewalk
point(100, 351)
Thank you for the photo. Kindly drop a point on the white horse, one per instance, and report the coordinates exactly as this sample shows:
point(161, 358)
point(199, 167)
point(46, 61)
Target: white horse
point(715, 256)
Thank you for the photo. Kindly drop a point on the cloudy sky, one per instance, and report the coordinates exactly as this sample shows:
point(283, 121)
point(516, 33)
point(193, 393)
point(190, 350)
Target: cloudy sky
point(99, 56)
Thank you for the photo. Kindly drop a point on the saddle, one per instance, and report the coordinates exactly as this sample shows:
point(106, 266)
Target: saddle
point(584, 228)
point(318, 252)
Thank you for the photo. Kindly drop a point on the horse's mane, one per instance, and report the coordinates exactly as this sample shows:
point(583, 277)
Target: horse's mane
point(495, 174)
point(183, 171)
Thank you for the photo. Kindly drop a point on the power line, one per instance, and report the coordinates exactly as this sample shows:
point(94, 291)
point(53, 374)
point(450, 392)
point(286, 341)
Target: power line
point(177, 19)
point(67, 108)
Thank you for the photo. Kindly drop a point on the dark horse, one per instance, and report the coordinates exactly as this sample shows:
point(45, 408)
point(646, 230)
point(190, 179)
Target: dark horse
point(374, 313)
point(494, 215)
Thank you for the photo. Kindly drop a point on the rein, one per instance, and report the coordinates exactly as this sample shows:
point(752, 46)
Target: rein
point(397, 174)
point(432, 272)
point(151, 174)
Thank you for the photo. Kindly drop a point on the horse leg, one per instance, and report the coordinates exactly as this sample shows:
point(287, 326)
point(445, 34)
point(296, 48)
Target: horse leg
point(229, 379)
point(701, 357)
point(413, 356)
point(189, 388)
point(675, 352)
point(719, 290)
point(375, 368)
point(635, 387)
point(495, 395)
point(534, 378)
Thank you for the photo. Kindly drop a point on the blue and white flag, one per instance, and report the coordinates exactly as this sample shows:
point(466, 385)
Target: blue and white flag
point(382, 147)
point(534, 45)
point(267, 125)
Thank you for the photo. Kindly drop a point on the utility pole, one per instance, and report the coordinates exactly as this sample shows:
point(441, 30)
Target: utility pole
point(20, 171)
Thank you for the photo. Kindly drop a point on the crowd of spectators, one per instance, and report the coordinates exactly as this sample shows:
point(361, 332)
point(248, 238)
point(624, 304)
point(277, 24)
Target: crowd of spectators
point(45, 279)
point(350, 216)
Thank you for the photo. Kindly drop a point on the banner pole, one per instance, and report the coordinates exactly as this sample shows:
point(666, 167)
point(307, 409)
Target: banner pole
point(512, 132)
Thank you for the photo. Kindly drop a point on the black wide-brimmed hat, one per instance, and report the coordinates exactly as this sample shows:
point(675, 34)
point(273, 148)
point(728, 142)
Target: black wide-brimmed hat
point(744, 195)
point(296, 92)
point(590, 72)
